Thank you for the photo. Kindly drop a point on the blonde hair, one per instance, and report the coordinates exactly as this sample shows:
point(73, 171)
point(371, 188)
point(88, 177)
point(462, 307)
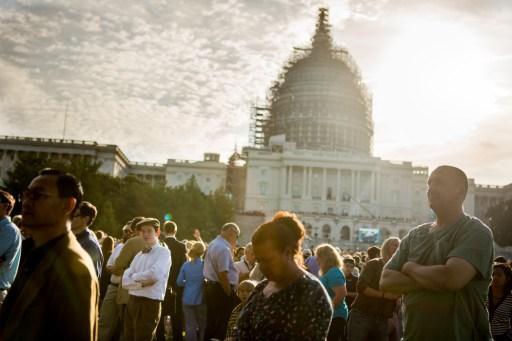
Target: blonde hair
point(384, 252)
point(331, 258)
point(197, 249)
point(247, 284)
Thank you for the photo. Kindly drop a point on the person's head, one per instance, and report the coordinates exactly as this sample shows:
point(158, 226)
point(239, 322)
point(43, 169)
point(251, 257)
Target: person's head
point(83, 217)
point(7, 202)
point(348, 265)
point(170, 228)
point(245, 289)
point(499, 259)
point(357, 259)
point(327, 258)
point(133, 223)
point(50, 200)
point(100, 235)
point(249, 253)
point(239, 253)
point(447, 189)
point(277, 245)
point(389, 247)
point(373, 252)
point(17, 220)
point(107, 246)
point(127, 232)
point(196, 250)
point(502, 276)
point(149, 230)
point(230, 232)
point(306, 253)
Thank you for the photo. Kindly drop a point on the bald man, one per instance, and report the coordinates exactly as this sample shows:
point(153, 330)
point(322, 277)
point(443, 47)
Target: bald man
point(444, 267)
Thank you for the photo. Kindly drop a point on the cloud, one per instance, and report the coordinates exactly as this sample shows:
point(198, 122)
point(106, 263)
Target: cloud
point(174, 79)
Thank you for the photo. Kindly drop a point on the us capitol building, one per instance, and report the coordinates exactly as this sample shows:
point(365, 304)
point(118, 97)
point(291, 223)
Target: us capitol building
point(310, 152)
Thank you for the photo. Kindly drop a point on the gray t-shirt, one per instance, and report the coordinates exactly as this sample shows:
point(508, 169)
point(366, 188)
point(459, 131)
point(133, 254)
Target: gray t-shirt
point(454, 316)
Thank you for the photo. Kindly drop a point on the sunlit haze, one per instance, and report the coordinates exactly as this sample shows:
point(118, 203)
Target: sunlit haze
point(176, 79)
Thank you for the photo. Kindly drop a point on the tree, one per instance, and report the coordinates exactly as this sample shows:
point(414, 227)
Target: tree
point(120, 199)
point(500, 221)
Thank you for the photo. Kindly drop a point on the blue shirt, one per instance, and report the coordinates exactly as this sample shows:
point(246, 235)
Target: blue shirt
point(10, 252)
point(191, 277)
point(312, 265)
point(89, 242)
point(335, 278)
point(219, 258)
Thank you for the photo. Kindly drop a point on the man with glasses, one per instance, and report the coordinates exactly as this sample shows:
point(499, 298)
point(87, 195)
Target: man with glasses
point(221, 279)
point(10, 245)
point(55, 294)
point(83, 218)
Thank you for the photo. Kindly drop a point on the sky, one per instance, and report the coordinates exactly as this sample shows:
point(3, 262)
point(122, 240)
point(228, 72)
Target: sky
point(175, 79)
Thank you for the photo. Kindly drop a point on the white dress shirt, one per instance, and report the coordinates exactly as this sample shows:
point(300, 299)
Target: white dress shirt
point(111, 261)
point(154, 265)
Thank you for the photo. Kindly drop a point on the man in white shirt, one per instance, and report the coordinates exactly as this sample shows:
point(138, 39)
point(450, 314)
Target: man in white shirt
point(146, 281)
point(246, 264)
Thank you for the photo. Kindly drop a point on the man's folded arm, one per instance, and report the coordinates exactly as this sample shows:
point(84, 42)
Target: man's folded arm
point(397, 282)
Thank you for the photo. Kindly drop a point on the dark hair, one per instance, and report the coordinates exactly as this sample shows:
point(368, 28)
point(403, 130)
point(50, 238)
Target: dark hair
point(170, 227)
point(86, 209)
point(285, 230)
point(7, 198)
point(133, 223)
point(500, 259)
point(67, 185)
point(107, 246)
point(100, 234)
point(373, 252)
point(349, 260)
point(508, 274)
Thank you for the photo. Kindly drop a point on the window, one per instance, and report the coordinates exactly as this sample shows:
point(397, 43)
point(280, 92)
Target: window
point(326, 231)
point(345, 233)
point(263, 188)
point(329, 193)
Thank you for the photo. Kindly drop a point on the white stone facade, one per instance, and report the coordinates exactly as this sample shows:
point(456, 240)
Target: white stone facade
point(333, 190)
point(210, 174)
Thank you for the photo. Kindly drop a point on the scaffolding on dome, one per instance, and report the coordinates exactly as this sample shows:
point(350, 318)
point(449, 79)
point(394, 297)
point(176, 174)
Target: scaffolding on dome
point(261, 119)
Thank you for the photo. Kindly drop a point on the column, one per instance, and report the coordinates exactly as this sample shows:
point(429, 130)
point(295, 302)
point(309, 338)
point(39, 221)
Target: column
point(310, 178)
point(283, 181)
point(290, 180)
point(353, 184)
point(304, 182)
point(372, 197)
point(338, 185)
point(324, 183)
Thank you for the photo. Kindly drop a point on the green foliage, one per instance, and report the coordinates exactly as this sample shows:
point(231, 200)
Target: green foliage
point(500, 220)
point(120, 199)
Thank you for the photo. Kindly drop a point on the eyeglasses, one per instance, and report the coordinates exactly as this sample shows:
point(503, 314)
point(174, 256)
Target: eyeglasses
point(34, 195)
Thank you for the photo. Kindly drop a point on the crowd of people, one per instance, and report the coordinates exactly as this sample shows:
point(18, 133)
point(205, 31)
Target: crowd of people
point(59, 280)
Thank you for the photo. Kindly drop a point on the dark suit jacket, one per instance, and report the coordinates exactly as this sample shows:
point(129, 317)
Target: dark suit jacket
point(178, 257)
point(58, 300)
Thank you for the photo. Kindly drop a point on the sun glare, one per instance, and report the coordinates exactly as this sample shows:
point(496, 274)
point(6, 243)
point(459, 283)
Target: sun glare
point(432, 87)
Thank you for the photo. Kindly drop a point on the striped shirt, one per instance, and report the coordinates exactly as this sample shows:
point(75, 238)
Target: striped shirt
point(500, 315)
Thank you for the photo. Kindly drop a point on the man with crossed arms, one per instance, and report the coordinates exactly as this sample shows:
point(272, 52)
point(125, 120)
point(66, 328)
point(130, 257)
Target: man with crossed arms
point(444, 268)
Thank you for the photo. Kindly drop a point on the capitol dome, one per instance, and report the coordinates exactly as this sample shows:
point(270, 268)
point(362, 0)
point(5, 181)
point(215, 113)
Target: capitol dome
point(319, 101)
